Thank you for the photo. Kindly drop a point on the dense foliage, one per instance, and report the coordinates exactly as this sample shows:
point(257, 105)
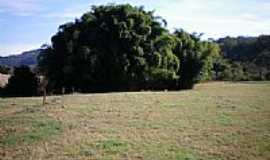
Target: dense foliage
point(196, 59)
point(121, 47)
point(4, 69)
point(22, 83)
point(244, 58)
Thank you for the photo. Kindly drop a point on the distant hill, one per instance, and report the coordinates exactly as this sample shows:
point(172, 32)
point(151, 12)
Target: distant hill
point(28, 58)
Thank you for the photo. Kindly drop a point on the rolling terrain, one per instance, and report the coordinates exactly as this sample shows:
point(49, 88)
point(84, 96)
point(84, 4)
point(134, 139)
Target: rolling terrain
point(215, 121)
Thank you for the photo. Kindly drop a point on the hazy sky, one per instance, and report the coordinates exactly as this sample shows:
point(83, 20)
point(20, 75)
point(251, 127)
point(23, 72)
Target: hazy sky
point(27, 24)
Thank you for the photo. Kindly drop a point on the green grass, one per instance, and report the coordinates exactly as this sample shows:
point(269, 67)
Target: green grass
point(112, 146)
point(27, 126)
point(223, 120)
point(215, 121)
point(40, 130)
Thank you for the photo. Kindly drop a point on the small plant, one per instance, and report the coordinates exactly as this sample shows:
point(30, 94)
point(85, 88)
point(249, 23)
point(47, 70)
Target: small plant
point(113, 146)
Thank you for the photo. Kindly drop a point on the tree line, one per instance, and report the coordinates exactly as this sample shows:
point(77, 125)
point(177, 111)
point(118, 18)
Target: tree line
point(126, 48)
point(243, 58)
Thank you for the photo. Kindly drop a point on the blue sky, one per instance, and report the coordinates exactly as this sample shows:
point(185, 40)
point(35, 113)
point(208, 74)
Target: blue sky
point(27, 24)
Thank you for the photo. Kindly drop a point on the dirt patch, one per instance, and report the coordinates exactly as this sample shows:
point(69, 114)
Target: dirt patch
point(4, 79)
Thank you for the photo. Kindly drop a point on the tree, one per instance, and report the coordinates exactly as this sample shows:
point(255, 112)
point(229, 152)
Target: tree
point(163, 71)
point(196, 58)
point(251, 53)
point(121, 47)
point(22, 83)
point(112, 47)
point(220, 65)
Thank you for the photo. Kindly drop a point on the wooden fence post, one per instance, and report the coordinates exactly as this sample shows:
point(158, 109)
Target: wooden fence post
point(44, 83)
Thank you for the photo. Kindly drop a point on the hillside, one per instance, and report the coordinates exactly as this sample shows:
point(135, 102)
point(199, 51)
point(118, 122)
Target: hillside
point(214, 121)
point(28, 58)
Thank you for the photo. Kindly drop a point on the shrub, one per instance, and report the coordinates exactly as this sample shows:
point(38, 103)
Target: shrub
point(23, 83)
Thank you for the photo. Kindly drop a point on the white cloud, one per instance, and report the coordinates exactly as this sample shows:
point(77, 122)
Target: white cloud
point(217, 18)
point(13, 49)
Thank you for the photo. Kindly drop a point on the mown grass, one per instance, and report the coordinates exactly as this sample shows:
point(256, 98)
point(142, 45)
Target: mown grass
point(216, 121)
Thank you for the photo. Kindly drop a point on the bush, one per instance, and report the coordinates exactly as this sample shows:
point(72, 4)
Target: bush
point(23, 83)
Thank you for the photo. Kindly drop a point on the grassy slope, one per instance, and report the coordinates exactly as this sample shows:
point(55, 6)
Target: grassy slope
point(214, 121)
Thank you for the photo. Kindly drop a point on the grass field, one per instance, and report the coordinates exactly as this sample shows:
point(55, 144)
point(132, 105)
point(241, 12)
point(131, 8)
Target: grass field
point(215, 121)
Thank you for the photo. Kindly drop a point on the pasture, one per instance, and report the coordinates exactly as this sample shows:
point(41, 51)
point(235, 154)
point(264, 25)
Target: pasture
point(215, 121)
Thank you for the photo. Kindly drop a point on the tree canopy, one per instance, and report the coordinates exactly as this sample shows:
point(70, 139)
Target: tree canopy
point(121, 47)
point(247, 58)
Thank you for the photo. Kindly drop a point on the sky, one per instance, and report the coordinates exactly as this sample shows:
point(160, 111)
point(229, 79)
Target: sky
point(27, 24)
